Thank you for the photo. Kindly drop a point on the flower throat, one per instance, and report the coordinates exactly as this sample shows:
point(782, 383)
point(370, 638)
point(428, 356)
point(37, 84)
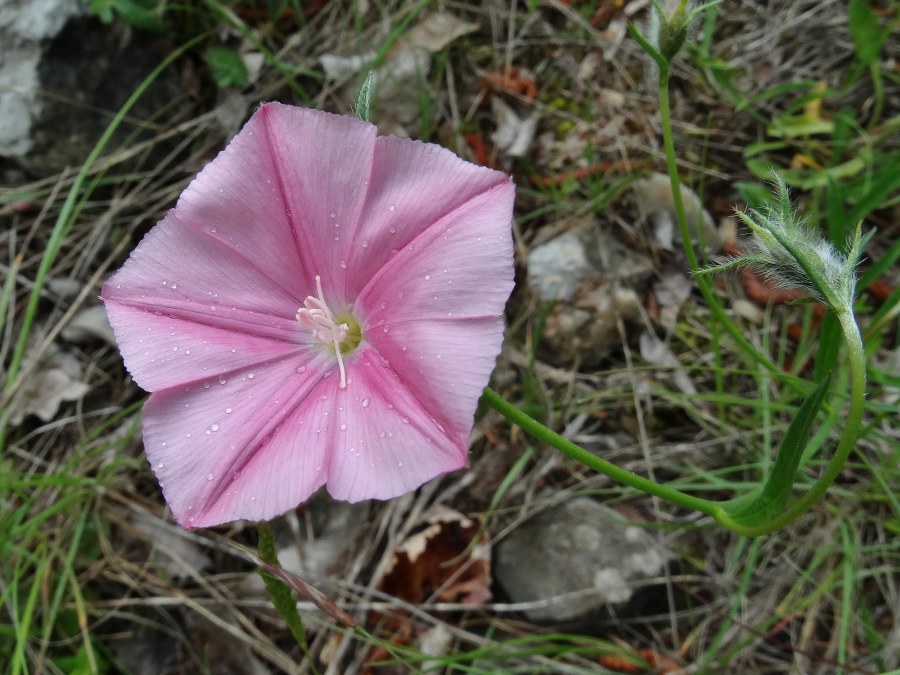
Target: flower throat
point(340, 331)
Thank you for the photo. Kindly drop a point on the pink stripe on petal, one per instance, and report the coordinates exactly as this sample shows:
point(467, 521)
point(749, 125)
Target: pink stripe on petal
point(460, 266)
point(413, 185)
point(445, 365)
point(243, 449)
point(239, 198)
point(161, 351)
point(384, 442)
point(184, 306)
point(323, 163)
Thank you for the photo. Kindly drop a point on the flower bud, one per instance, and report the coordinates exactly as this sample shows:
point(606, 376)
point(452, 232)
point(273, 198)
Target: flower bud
point(795, 256)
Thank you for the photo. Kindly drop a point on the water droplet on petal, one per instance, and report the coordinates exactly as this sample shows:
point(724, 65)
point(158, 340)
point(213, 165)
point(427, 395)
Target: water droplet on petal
point(213, 229)
point(209, 476)
point(365, 403)
point(332, 215)
point(221, 189)
point(392, 230)
point(227, 411)
point(399, 463)
point(392, 208)
point(249, 376)
point(343, 427)
point(222, 379)
point(206, 385)
point(214, 427)
point(301, 369)
point(343, 264)
point(427, 277)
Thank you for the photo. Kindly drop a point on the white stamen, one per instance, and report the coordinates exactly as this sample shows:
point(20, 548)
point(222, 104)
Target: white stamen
point(316, 317)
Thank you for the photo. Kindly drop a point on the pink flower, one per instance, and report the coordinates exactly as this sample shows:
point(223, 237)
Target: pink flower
point(323, 306)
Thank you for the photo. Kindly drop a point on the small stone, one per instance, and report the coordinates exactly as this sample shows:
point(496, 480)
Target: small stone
point(594, 281)
point(574, 559)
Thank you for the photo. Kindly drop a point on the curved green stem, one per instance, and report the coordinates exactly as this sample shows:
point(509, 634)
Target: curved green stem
point(703, 284)
point(576, 452)
point(857, 362)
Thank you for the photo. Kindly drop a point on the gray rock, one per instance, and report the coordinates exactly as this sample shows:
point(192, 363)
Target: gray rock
point(573, 560)
point(592, 279)
point(63, 75)
point(656, 203)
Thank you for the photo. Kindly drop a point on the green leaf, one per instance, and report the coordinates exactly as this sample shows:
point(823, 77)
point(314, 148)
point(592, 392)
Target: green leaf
point(793, 126)
point(140, 14)
point(762, 506)
point(887, 261)
point(806, 179)
point(102, 9)
point(226, 66)
point(754, 195)
point(364, 99)
point(877, 188)
point(868, 37)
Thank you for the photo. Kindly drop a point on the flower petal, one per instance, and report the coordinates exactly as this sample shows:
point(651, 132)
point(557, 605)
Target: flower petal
point(435, 311)
point(413, 186)
point(249, 448)
point(239, 199)
point(385, 442)
point(186, 307)
point(323, 163)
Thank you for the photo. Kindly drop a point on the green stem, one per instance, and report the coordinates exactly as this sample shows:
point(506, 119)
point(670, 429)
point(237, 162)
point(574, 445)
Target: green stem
point(576, 452)
point(704, 285)
point(857, 361)
point(282, 597)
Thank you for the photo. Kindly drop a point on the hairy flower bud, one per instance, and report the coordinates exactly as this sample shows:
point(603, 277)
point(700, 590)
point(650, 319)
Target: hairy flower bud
point(795, 256)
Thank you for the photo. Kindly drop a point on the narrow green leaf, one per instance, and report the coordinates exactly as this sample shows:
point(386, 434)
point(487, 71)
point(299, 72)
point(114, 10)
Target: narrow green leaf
point(762, 506)
point(364, 100)
point(868, 38)
point(836, 216)
point(878, 188)
point(652, 52)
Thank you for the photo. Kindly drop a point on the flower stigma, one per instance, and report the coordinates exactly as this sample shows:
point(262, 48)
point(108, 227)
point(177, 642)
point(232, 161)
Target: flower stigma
point(340, 331)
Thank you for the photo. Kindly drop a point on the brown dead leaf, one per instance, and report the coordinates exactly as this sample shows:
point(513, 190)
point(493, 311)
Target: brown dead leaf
point(434, 564)
point(437, 563)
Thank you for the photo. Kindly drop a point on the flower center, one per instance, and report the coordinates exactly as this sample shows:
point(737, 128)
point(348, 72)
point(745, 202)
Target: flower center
point(341, 331)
